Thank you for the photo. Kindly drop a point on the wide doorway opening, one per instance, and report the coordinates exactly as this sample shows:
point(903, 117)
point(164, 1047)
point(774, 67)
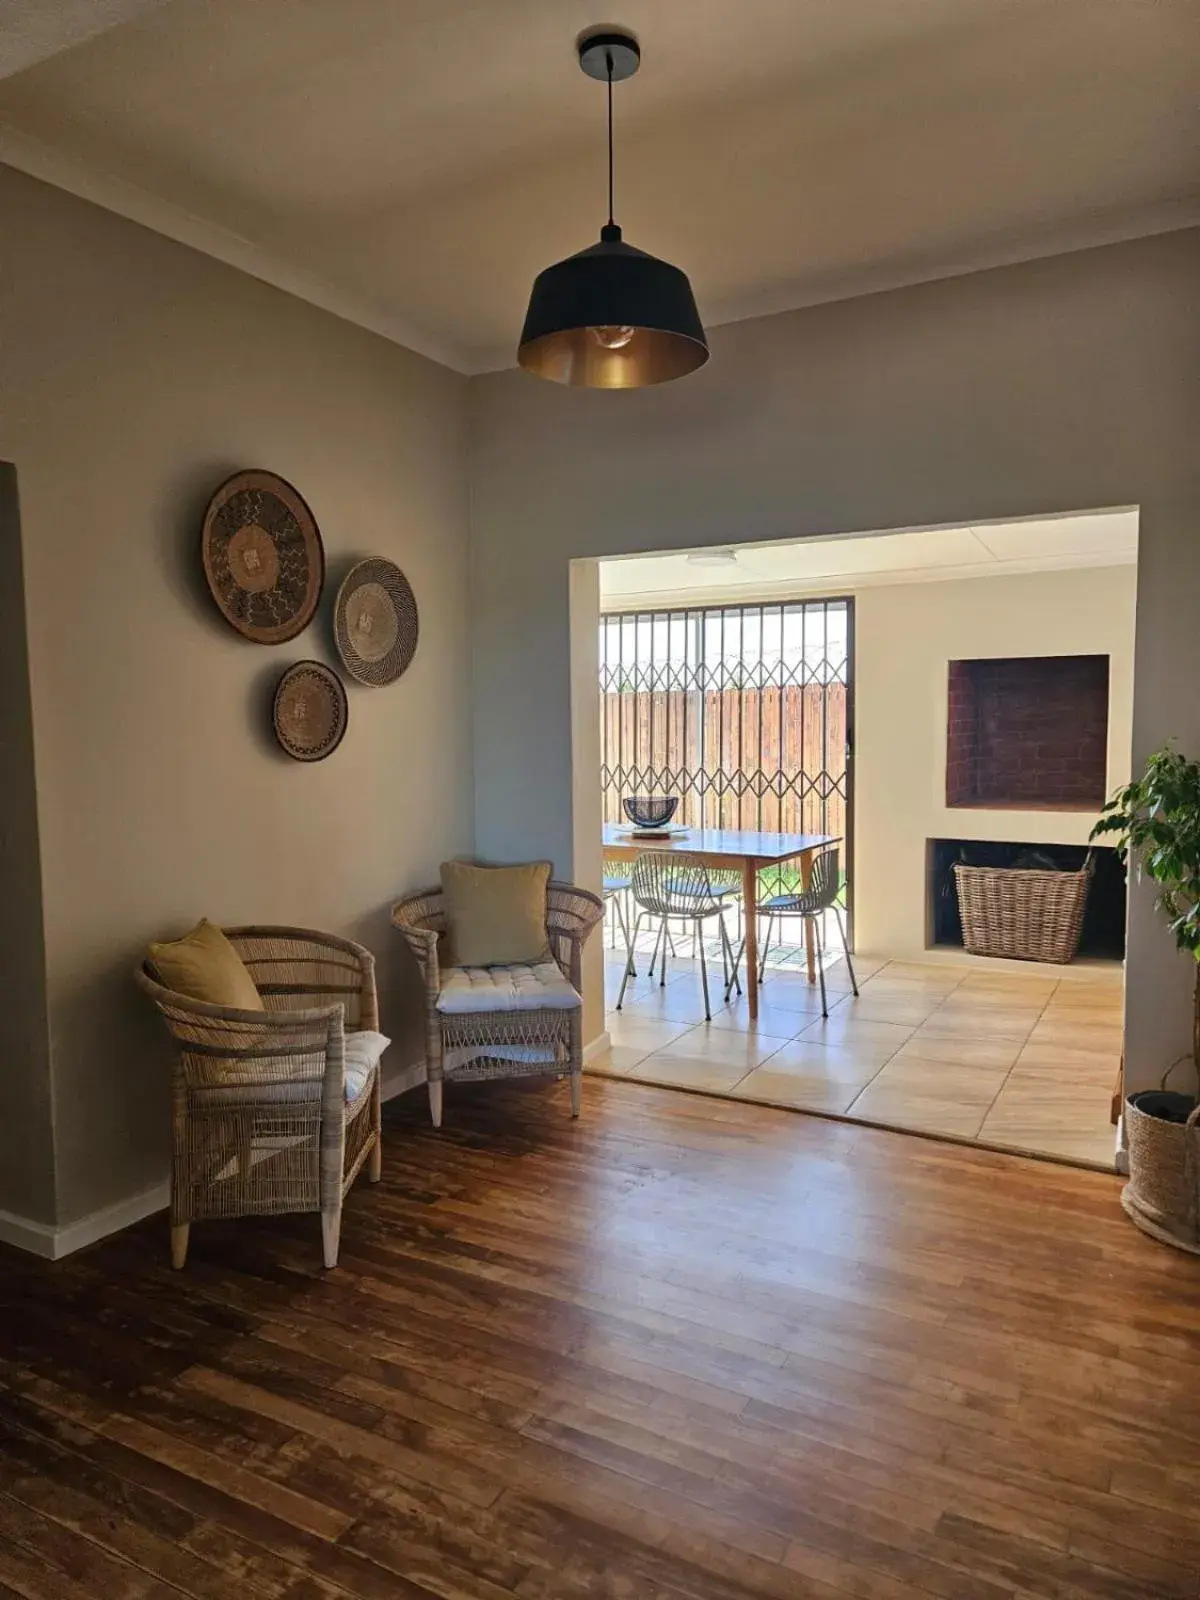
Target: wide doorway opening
point(858, 739)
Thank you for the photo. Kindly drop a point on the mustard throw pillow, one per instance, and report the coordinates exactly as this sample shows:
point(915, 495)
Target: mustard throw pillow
point(496, 915)
point(205, 966)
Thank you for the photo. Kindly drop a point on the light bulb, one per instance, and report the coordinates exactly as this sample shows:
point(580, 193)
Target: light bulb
point(612, 338)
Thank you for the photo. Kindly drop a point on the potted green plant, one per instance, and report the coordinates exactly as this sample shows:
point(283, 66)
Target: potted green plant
point(1156, 820)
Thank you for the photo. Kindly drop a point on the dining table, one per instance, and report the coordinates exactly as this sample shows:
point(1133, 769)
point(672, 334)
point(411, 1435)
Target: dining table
point(732, 847)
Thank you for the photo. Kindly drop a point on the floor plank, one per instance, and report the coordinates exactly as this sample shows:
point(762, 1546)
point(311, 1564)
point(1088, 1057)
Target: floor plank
point(682, 1349)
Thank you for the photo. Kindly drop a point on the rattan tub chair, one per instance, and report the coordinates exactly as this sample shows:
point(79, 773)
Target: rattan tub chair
point(264, 1120)
point(502, 1022)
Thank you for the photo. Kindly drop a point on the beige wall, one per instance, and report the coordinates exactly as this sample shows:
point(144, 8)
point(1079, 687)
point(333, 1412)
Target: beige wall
point(26, 1131)
point(135, 376)
point(586, 848)
point(1054, 386)
point(904, 637)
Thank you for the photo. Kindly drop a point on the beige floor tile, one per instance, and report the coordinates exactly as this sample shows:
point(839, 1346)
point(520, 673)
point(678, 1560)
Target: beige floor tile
point(933, 1096)
point(908, 999)
point(632, 1031)
point(1061, 1018)
point(790, 991)
point(930, 972)
point(840, 1063)
point(908, 1012)
point(796, 1089)
point(727, 1046)
point(999, 999)
point(773, 1022)
point(941, 1079)
point(1053, 1120)
point(847, 1028)
point(837, 979)
point(1054, 1062)
point(688, 1072)
point(615, 1062)
point(675, 1003)
point(985, 1022)
point(1098, 1148)
point(644, 988)
point(995, 1054)
point(1026, 990)
point(864, 967)
point(1071, 1035)
point(1071, 1004)
point(957, 1118)
point(882, 986)
point(1106, 979)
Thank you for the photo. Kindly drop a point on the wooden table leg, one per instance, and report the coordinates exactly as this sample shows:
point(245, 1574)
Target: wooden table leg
point(806, 868)
point(750, 913)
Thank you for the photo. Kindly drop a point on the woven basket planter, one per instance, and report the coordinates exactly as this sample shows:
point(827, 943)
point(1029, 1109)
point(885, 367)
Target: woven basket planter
point(1163, 1192)
point(1023, 913)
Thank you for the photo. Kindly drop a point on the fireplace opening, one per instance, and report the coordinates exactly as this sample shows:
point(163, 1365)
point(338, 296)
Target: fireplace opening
point(1028, 732)
point(1103, 935)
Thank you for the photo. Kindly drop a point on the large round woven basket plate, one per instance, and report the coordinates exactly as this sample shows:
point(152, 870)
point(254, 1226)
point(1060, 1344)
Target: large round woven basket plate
point(263, 557)
point(375, 622)
point(310, 711)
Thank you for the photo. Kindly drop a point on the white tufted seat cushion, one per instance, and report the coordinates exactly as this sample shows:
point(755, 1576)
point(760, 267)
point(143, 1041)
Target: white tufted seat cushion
point(468, 990)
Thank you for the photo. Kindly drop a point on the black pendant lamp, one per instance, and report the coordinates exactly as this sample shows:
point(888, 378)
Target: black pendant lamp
point(612, 317)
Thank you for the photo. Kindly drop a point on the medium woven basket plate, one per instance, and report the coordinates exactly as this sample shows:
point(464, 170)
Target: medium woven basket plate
point(310, 711)
point(263, 557)
point(375, 622)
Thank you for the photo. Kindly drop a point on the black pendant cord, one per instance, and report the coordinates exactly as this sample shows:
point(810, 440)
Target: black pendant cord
point(609, 63)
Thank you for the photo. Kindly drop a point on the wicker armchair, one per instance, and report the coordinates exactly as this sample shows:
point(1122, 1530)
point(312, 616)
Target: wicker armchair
point(260, 1122)
point(502, 1022)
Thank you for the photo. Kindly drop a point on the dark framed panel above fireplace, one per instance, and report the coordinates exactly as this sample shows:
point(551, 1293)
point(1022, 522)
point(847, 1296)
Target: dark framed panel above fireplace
point(1028, 733)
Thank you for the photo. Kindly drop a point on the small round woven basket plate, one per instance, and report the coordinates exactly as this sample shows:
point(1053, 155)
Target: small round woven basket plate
point(310, 711)
point(263, 557)
point(375, 622)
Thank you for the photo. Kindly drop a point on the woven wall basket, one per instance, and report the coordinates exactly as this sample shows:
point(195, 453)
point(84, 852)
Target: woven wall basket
point(310, 711)
point(375, 622)
point(263, 557)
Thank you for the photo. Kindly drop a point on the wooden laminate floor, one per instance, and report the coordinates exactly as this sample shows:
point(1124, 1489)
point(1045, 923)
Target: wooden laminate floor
point(683, 1349)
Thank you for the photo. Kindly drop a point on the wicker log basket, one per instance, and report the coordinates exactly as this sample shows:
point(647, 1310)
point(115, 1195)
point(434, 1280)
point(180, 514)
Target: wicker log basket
point(1023, 913)
point(1162, 1196)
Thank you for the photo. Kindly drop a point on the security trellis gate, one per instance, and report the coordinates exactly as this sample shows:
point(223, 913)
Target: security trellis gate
point(744, 712)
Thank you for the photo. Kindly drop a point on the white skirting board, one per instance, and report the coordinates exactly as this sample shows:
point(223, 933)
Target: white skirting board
point(598, 1046)
point(401, 1080)
point(53, 1243)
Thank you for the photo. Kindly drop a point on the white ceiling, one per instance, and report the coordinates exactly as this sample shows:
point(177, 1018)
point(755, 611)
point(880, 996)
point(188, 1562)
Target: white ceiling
point(808, 566)
point(412, 163)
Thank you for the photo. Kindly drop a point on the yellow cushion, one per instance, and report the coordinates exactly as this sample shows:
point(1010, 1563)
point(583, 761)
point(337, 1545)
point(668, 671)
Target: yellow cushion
point(497, 915)
point(205, 966)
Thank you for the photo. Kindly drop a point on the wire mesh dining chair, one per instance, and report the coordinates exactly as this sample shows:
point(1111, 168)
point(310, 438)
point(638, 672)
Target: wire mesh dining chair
point(617, 883)
point(674, 886)
point(811, 903)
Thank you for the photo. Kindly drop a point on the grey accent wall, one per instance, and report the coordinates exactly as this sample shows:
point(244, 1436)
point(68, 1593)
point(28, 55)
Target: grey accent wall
point(26, 1133)
point(136, 375)
point(1059, 385)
